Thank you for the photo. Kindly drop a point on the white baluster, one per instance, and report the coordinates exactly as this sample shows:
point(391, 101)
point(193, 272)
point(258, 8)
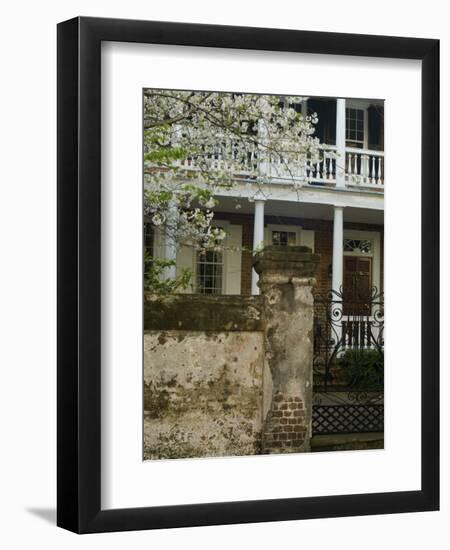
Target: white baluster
point(373, 178)
point(350, 156)
point(379, 171)
point(355, 171)
point(364, 167)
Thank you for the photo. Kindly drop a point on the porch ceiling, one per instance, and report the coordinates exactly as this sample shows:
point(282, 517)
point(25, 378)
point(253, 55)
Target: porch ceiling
point(301, 210)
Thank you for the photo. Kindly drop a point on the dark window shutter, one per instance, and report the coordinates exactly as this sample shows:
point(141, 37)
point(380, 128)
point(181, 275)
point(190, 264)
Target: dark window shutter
point(376, 127)
point(326, 112)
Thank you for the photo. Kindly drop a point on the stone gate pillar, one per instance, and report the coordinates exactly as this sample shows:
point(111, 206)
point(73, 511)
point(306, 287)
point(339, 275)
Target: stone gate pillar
point(286, 278)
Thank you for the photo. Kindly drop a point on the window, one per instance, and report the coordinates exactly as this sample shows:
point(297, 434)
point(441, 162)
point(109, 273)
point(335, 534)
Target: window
point(358, 246)
point(284, 238)
point(209, 272)
point(354, 127)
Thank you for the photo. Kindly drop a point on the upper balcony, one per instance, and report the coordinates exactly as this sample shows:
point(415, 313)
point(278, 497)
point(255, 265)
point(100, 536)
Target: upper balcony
point(351, 153)
point(351, 133)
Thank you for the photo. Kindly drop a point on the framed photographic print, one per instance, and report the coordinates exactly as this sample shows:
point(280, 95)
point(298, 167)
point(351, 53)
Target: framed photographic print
point(247, 274)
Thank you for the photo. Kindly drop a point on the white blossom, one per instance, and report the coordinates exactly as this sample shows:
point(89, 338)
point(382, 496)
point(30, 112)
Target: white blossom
point(196, 143)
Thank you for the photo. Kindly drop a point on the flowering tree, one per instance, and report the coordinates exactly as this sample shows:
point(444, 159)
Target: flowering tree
point(197, 143)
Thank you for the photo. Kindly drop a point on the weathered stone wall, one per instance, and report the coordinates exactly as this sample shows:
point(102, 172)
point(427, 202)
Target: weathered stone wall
point(203, 376)
point(232, 375)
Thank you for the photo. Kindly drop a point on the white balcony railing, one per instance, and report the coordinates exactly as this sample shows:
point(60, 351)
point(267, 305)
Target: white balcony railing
point(363, 167)
point(227, 158)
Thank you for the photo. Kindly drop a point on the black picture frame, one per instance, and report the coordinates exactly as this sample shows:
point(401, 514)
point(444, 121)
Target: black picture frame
point(79, 281)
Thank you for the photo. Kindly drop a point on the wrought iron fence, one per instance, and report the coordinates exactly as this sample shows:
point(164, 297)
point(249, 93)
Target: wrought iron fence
point(348, 365)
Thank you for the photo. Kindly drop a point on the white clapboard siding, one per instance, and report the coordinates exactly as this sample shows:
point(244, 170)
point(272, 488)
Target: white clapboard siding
point(307, 238)
point(233, 261)
point(186, 259)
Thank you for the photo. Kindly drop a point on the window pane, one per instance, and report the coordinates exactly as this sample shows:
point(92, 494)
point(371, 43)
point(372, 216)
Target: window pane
point(209, 272)
point(284, 238)
point(354, 126)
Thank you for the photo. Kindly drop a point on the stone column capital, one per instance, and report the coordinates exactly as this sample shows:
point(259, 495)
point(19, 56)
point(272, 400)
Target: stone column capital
point(296, 264)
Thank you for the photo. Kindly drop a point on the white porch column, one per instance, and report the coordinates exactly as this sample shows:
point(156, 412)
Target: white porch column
point(170, 246)
point(340, 142)
point(338, 261)
point(338, 248)
point(258, 237)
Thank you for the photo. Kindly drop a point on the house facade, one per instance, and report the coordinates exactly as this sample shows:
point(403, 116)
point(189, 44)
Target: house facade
point(338, 213)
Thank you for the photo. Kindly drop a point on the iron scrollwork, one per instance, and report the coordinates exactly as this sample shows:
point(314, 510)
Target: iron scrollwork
point(348, 364)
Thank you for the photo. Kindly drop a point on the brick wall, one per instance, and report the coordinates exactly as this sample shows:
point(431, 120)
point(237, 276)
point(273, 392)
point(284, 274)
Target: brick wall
point(285, 428)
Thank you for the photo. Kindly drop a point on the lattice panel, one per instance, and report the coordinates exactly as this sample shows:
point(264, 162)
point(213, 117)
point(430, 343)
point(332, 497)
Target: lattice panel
point(338, 419)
